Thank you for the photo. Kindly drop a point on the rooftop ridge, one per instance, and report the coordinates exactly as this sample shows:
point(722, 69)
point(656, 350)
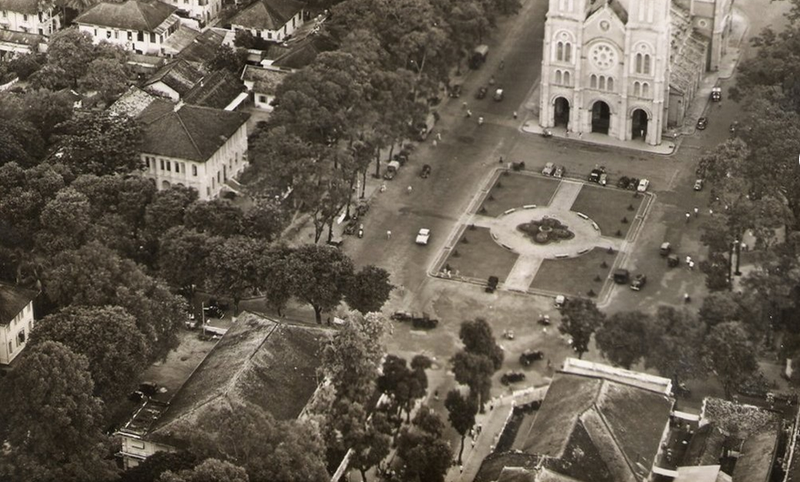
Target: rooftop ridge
point(188, 133)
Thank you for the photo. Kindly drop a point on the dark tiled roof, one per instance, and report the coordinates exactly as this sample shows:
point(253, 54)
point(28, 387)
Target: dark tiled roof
point(267, 14)
point(706, 446)
point(494, 464)
point(203, 47)
point(21, 38)
point(615, 6)
point(266, 80)
point(132, 102)
point(304, 52)
point(31, 7)
point(179, 75)
point(261, 362)
point(216, 90)
point(191, 132)
point(131, 15)
point(12, 300)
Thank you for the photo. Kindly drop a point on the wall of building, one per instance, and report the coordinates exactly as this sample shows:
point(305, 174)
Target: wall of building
point(275, 35)
point(44, 23)
point(136, 41)
point(206, 177)
point(14, 336)
point(204, 11)
point(135, 449)
point(164, 89)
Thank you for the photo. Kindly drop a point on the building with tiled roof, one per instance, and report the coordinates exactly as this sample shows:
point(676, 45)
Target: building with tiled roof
point(220, 90)
point(260, 362)
point(628, 68)
point(174, 79)
point(136, 25)
point(302, 53)
point(192, 146)
point(202, 11)
point(132, 102)
point(271, 20)
point(16, 320)
point(203, 48)
point(25, 26)
point(263, 82)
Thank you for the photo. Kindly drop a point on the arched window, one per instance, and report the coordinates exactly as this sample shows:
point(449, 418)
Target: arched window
point(647, 64)
point(638, 63)
point(566, 78)
point(568, 52)
point(602, 82)
point(559, 51)
point(558, 76)
point(645, 89)
point(610, 84)
point(637, 89)
point(593, 81)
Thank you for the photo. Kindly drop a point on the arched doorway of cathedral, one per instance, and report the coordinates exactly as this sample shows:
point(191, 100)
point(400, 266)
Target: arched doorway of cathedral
point(601, 117)
point(639, 124)
point(561, 113)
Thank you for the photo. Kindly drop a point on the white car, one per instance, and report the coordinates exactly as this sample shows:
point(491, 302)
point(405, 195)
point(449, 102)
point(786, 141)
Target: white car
point(548, 169)
point(643, 185)
point(423, 236)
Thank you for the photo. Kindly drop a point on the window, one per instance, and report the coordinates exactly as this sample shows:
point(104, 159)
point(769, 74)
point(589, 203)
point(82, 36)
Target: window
point(5, 14)
point(194, 170)
point(602, 84)
point(108, 33)
point(262, 99)
point(147, 162)
point(169, 166)
point(10, 348)
point(137, 444)
point(269, 35)
point(152, 38)
point(95, 32)
point(130, 35)
point(645, 89)
point(162, 164)
point(638, 63)
point(560, 51)
point(610, 84)
point(140, 36)
point(558, 76)
point(116, 34)
point(566, 78)
point(647, 64)
point(568, 52)
point(593, 81)
point(21, 337)
point(24, 17)
point(637, 89)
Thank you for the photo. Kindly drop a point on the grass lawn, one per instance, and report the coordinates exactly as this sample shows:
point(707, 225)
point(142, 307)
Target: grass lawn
point(517, 190)
point(480, 257)
point(575, 276)
point(607, 207)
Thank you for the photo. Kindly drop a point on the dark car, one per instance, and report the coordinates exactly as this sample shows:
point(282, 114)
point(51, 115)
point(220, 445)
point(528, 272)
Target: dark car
point(512, 377)
point(455, 91)
point(481, 93)
point(213, 312)
point(702, 123)
point(594, 176)
point(402, 316)
point(530, 356)
point(424, 322)
point(425, 172)
point(621, 276)
point(491, 284)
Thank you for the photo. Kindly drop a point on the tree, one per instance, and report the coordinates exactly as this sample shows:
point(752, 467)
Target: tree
point(264, 220)
point(228, 58)
point(462, 410)
point(107, 77)
point(277, 271)
point(26, 64)
point(19, 143)
point(168, 210)
point(54, 431)
point(46, 109)
point(478, 338)
point(151, 468)
point(719, 307)
point(210, 470)
point(23, 196)
point(270, 450)
point(319, 276)
point(730, 355)
point(674, 344)
point(185, 257)
point(369, 289)
point(474, 371)
point(234, 268)
point(70, 51)
point(368, 436)
point(404, 385)
point(65, 221)
point(108, 338)
point(100, 143)
point(426, 454)
point(622, 338)
point(579, 319)
point(218, 217)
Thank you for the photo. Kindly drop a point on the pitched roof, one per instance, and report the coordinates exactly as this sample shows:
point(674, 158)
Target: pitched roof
point(615, 6)
point(203, 47)
point(267, 14)
point(757, 456)
point(705, 447)
point(259, 361)
point(598, 423)
point(12, 300)
point(217, 89)
point(30, 7)
point(131, 15)
point(132, 102)
point(179, 39)
point(21, 38)
point(187, 132)
point(304, 52)
point(266, 81)
point(496, 462)
point(704, 473)
point(178, 75)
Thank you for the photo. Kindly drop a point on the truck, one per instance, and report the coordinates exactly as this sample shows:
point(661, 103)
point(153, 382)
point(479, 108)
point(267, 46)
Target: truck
point(478, 57)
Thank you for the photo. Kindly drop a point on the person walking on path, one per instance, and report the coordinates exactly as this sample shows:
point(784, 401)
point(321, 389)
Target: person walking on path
point(438, 136)
point(388, 235)
point(435, 143)
point(688, 217)
point(409, 189)
point(696, 212)
point(515, 114)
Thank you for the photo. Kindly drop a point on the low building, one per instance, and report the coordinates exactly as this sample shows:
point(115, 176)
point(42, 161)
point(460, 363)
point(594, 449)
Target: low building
point(16, 320)
point(132, 102)
point(193, 146)
point(25, 26)
point(174, 79)
point(263, 83)
point(220, 90)
point(201, 11)
point(138, 26)
point(260, 362)
point(271, 20)
point(203, 48)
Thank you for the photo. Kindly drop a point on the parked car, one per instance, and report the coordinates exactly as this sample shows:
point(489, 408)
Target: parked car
point(512, 377)
point(666, 248)
point(698, 185)
point(702, 123)
point(603, 179)
point(455, 91)
point(508, 334)
point(498, 95)
point(336, 243)
point(734, 126)
point(491, 284)
point(673, 260)
point(544, 320)
point(423, 236)
point(594, 176)
point(547, 133)
point(638, 282)
point(425, 172)
point(560, 171)
point(560, 301)
point(391, 170)
point(623, 182)
point(643, 185)
point(481, 92)
point(634, 184)
point(716, 94)
point(530, 356)
point(621, 276)
point(548, 169)
point(424, 322)
point(402, 316)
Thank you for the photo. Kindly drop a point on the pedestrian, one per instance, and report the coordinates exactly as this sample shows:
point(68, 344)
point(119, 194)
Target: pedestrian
point(688, 259)
point(710, 211)
point(567, 133)
point(515, 114)
point(580, 135)
point(469, 113)
point(696, 212)
point(500, 161)
point(691, 265)
point(480, 429)
point(502, 64)
point(549, 364)
point(463, 106)
point(439, 136)
point(435, 143)
point(461, 469)
point(473, 443)
point(410, 189)
point(388, 235)
point(383, 187)
point(688, 216)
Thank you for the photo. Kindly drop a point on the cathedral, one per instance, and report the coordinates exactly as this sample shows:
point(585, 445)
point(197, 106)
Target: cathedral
point(628, 68)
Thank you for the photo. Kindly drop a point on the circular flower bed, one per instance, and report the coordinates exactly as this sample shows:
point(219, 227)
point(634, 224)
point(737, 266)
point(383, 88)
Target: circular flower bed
point(546, 230)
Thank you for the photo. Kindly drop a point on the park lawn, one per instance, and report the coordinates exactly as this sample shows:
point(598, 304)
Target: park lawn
point(512, 190)
point(608, 207)
point(575, 276)
point(480, 257)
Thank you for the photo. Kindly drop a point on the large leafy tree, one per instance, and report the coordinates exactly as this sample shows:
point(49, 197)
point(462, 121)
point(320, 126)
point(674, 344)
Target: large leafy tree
point(369, 289)
point(234, 268)
point(404, 384)
point(65, 222)
point(109, 339)
point(264, 220)
point(674, 345)
point(461, 413)
point(474, 371)
point(426, 454)
point(622, 338)
point(185, 257)
point(320, 275)
point(580, 318)
point(218, 217)
point(23, 196)
point(100, 143)
point(54, 420)
point(107, 77)
point(730, 355)
point(70, 51)
point(478, 338)
point(153, 466)
point(210, 470)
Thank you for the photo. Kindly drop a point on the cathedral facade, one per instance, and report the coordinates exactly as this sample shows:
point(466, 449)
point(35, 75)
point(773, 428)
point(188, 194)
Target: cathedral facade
point(628, 68)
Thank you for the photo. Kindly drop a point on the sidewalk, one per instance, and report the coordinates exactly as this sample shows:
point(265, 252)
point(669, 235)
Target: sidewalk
point(698, 108)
